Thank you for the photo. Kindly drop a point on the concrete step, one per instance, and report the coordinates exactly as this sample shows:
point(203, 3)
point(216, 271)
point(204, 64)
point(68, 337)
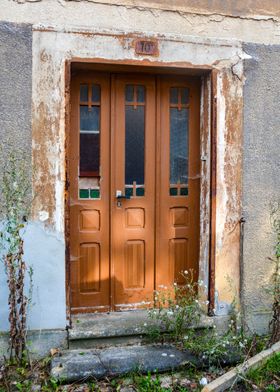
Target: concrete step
point(91, 343)
point(116, 328)
point(104, 325)
point(74, 365)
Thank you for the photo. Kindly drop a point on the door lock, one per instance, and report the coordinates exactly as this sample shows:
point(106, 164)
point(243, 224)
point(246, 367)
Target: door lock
point(120, 197)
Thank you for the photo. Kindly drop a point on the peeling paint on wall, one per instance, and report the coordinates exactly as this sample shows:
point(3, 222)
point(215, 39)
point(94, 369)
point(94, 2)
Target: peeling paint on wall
point(229, 179)
point(216, 8)
point(48, 140)
point(205, 151)
point(228, 21)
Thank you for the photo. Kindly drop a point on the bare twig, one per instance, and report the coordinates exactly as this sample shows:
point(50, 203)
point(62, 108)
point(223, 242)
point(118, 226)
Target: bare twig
point(14, 209)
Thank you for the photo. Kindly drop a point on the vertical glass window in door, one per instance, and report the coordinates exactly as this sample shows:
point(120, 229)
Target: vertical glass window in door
point(89, 163)
point(134, 140)
point(179, 141)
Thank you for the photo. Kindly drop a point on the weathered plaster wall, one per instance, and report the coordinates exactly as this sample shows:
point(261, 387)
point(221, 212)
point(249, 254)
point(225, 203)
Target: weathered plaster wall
point(204, 19)
point(44, 249)
point(15, 107)
point(261, 177)
point(15, 84)
point(229, 178)
point(235, 8)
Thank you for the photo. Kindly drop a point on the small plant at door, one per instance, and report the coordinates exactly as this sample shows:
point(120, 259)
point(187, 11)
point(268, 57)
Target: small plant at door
point(216, 349)
point(175, 318)
point(176, 309)
point(14, 208)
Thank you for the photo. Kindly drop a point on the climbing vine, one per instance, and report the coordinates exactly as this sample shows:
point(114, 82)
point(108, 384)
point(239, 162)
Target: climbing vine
point(275, 287)
point(14, 209)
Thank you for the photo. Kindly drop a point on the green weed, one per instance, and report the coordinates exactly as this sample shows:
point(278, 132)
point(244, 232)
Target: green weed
point(176, 309)
point(267, 372)
point(148, 383)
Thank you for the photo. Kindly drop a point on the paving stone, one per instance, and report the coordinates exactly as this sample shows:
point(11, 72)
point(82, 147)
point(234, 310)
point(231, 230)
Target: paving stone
point(74, 365)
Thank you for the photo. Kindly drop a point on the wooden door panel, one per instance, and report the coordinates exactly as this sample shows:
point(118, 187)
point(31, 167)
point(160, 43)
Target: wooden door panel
point(134, 264)
point(89, 193)
point(133, 222)
point(90, 268)
point(177, 247)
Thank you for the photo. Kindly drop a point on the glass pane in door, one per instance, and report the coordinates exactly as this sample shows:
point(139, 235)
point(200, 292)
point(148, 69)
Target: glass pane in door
point(134, 140)
point(179, 141)
point(89, 168)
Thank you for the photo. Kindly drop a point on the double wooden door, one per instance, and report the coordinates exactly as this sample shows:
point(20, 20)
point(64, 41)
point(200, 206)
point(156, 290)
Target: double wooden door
point(134, 165)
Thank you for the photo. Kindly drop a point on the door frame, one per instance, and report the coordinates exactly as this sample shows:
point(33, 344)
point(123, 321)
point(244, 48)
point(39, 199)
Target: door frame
point(208, 140)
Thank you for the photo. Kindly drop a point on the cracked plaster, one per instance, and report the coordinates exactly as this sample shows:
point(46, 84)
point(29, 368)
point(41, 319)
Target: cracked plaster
point(128, 16)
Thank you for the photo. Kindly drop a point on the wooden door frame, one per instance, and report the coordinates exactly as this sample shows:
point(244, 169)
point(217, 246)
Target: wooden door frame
point(208, 127)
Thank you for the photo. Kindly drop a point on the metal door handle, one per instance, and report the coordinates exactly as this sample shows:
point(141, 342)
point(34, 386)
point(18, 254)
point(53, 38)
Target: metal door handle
point(123, 197)
point(120, 196)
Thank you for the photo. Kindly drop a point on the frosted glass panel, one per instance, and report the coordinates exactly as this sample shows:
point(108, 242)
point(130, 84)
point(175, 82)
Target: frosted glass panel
point(129, 91)
point(84, 93)
point(89, 140)
point(95, 93)
point(179, 145)
point(140, 94)
point(89, 119)
point(134, 144)
point(174, 95)
point(185, 95)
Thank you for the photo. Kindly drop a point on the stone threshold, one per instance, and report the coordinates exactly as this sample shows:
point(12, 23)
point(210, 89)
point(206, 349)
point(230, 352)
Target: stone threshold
point(76, 365)
point(120, 324)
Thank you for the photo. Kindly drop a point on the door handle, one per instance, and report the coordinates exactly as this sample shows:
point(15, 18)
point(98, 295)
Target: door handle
point(123, 197)
point(120, 196)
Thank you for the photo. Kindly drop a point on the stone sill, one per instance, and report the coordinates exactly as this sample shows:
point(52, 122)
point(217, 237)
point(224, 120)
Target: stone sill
point(95, 326)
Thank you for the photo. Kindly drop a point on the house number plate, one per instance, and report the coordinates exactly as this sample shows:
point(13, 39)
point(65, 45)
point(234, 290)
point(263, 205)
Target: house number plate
point(146, 47)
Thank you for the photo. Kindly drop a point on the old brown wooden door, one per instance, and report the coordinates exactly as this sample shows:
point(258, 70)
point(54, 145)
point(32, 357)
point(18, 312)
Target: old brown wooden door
point(134, 187)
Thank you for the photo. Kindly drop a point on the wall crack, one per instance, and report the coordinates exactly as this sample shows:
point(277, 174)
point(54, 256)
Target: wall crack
point(217, 17)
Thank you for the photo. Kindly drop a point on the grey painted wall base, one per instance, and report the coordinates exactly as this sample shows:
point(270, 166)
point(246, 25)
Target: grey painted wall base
point(257, 322)
point(45, 252)
point(39, 342)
